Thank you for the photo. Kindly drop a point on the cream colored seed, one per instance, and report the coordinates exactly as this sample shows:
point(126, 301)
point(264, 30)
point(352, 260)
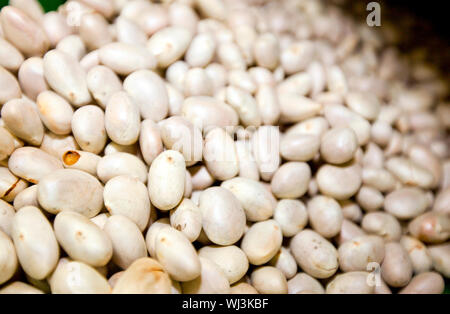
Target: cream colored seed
point(216, 203)
point(65, 75)
point(35, 242)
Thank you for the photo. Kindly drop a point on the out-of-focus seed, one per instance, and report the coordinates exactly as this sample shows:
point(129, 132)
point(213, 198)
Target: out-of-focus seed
point(397, 268)
point(418, 253)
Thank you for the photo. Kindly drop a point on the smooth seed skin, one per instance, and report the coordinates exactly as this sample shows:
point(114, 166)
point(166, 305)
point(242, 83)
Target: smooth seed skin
point(55, 112)
point(380, 179)
point(339, 182)
point(262, 241)
point(285, 262)
point(129, 32)
point(338, 145)
point(245, 105)
point(119, 163)
point(200, 177)
point(166, 179)
point(219, 154)
point(148, 91)
point(440, 254)
point(152, 232)
point(382, 224)
point(150, 141)
point(170, 244)
point(247, 165)
point(325, 216)
point(102, 82)
point(126, 58)
point(127, 196)
point(358, 253)
point(8, 258)
point(418, 253)
point(291, 215)
point(425, 283)
point(11, 58)
point(243, 288)
point(187, 218)
point(65, 75)
point(23, 32)
point(291, 180)
point(27, 197)
point(144, 276)
point(169, 44)
point(35, 242)
point(94, 30)
point(88, 128)
point(299, 147)
point(365, 104)
point(6, 143)
point(127, 241)
point(55, 27)
point(223, 217)
point(204, 112)
point(230, 259)
point(181, 135)
point(441, 202)
point(11, 88)
point(122, 119)
point(295, 108)
point(22, 119)
point(73, 277)
point(82, 239)
point(370, 199)
point(212, 280)
point(32, 164)
point(257, 202)
point(303, 282)
point(269, 280)
point(350, 283)
point(314, 254)
point(18, 287)
point(268, 104)
point(406, 203)
point(430, 227)
point(397, 268)
point(73, 45)
point(201, 50)
point(6, 216)
point(409, 172)
point(71, 190)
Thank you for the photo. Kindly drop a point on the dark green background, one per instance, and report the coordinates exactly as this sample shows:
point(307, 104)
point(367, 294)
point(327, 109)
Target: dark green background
point(48, 5)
